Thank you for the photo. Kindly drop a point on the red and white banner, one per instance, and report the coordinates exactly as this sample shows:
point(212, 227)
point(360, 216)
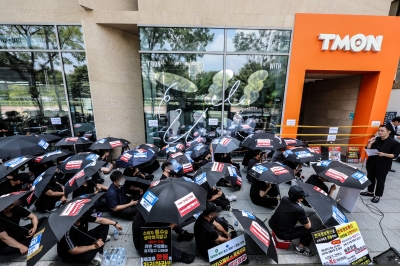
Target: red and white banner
point(260, 233)
point(290, 141)
point(73, 208)
point(73, 165)
point(279, 170)
point(225, 141)
point(75, 177)
point(320, 190)
point(116, 143)
point(217, 167)
point(154, 183)
point(187, 204)
point(125, 157)
point(336, 175)
point(187, 167)
point(263, 143)
point(38, 159)
point(180, 146)
point(71, 139)
point(174, 155)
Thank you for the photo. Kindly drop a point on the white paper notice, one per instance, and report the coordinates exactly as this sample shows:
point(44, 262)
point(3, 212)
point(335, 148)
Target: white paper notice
point(333, 130)
point(371, 152)
point(213, 121)
point(55, 120)
point(375, 123)
point(331, 138)
point(153, 123)
point(291, 122)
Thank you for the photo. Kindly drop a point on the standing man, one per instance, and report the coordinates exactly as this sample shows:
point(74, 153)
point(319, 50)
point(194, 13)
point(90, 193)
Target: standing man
point(379, 165)
point(393, 126)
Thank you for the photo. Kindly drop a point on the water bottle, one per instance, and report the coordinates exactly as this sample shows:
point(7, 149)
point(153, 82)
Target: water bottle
point(116, 233)
point(236, 223)
point(58, 203)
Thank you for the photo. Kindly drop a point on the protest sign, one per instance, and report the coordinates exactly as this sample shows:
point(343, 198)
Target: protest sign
point(353, 154)
point(233, 252)
point(156, 248)
point(334, 153)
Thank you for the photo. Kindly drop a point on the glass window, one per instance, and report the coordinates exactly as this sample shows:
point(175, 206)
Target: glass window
point(258, 41)
point(78, 88)
point(71, 37)
point(27, 37)
point(32, 97)
point(181, 39)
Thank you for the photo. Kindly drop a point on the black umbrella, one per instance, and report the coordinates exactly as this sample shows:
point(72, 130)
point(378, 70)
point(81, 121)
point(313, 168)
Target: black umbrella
point(50, 156)
point(196, 142)
point(137, 181)
point(8, 199)
point(263, 141)
point(342, 174)
point(80, 177)
point(272, 172)
point(195, 151)
point(257, 231)
point(181, 163)
point(40, 183)
point(324, 206)
point(172, 148)
point(73, 141)
point(19, 145)
point(224, 144)
point(293, 142)
point(57, 224)
point(141, 156)
point(77, 162)
point(301, 155)
point(108, 143)
point(48, 137)
point(172, 200)
point(212, 172)
point(13, 164)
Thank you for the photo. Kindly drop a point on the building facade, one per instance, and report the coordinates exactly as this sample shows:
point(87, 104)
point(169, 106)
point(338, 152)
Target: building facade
point(152, 70)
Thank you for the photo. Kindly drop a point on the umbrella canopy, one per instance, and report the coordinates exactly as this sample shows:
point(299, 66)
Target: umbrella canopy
point(325, 207)
point(172, 148)
point(19, 145)
point(50, 156)
point(48, 137)
point(137, 181)
point(195, 151)
point(13, 164)
point(77, 162)
point(172, 200)
point(257, 231)
point(210, 173)
point(263, 141)
point(301, 155)
point(272, 172)
point(83, 127)
point(80, 177)
point(241, 128)
point(293, 142)
point(341, 174)
point(196, 141)
point(224, 144)
point(57, 224)
point(73, 141)
point(108, 143)
point(141, 156)
point(181, 163)
point(8, 199)
point(40, 183)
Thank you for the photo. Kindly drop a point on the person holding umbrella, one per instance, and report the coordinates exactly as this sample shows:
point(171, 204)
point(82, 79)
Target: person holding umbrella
point(318, 181)
point(53, 193)
point(13, 185)
point(285, 218)
point(253, 161)
point(264, 194)
point(166, 168)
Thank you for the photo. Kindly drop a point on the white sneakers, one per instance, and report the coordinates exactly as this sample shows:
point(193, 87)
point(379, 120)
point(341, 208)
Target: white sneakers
point(97, 259)
point(231, 198)
point(108, 238)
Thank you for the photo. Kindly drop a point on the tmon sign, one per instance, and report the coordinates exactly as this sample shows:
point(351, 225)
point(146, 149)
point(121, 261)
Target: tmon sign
point(355, 43)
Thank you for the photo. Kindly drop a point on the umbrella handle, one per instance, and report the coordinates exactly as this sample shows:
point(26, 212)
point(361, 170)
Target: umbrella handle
point(87, 234)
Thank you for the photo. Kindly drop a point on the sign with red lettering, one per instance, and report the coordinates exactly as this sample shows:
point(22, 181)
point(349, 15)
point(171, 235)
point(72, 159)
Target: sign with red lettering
point(260, 233)
point(263, 143)
point(75, 177)
point(187, 204)
point(71, 139)
point(336, 175)
point(279, 170)
point(320, 190)
point(225, 141)
point(187, 167)
point(217, 167)
point(116, 143)
point(176, 154)
point(125, 157)
point(73, 165)
point(73, 208)
point(290, 141)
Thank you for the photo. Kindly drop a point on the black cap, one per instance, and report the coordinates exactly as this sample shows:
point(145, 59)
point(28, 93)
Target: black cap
point(211, 207)
point(296, 192)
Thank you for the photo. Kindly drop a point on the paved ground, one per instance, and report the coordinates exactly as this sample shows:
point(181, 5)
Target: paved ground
point(367, 221)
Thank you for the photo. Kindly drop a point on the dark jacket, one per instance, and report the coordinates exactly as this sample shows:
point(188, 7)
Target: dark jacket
point(392, 129)
point(389, 146)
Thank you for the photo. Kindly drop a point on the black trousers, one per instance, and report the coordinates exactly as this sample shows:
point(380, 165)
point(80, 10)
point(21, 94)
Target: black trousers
point(222, 201)
point(378, 178)
point(19, 235)
point(298, 232)
point(264, 202)
point(100, 231)
point(127, 213)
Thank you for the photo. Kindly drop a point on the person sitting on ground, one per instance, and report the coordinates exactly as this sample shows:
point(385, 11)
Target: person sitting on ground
point(207, 232)
point(118, 202)
point(264, 194)
point(253, 161)
point(278, 157)
point(202, 160)
point(318, 181)
point(16, 183)
point(89, 187)
point(287, 215)
point(52, 193)
point(177, 254)
point(217, 196)
point(81, 245)
point(135, 172)
point(15, 239)
point(166, 167)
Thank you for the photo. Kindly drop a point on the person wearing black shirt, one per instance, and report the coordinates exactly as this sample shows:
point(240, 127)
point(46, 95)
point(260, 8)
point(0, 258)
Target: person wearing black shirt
point(253, 161)
point(80, 245)
point(13, 238)
point(217, 196)
point(207, 232)
point(90, 187)
point(392, 126)
point(379, 165)
point(15, 184)
point(51, 194)
point(167, 171)
point(287, 215)
point(318, 181)
point(263, 194)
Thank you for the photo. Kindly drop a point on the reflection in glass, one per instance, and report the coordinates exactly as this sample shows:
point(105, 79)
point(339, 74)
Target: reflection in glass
point(259, 41)
point(27, 37)
point(32, 93)
point(71, 37)
point(78, 88)
point(181, 39)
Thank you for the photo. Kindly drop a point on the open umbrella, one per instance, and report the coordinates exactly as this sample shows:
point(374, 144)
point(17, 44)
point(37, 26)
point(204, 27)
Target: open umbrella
point(263, 141)
point(8, 199)
point(77, 162)
point(172, 200)
point(80, 177)
point(324, 206)
point(212, 172)
point(50, 156)
point(195, 151)
point(196, 141)
point(272, 172)
point(73, 141)
point(57, 224)
point(108, 143)
point(141, 156)
point(48, 137)
point(293, 142)
point(181, 163)
point(257, 231)
point(137, 181)
point(342, 174)
point(172, 148)
point(301, 155)
point(19, 145)
point(40, 183)
point(13, 164)
point(224, 144)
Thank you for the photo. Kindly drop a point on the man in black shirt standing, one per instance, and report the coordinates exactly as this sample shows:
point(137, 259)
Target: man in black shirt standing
point(285, 218)
point(318, 181)
point(380, 164)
